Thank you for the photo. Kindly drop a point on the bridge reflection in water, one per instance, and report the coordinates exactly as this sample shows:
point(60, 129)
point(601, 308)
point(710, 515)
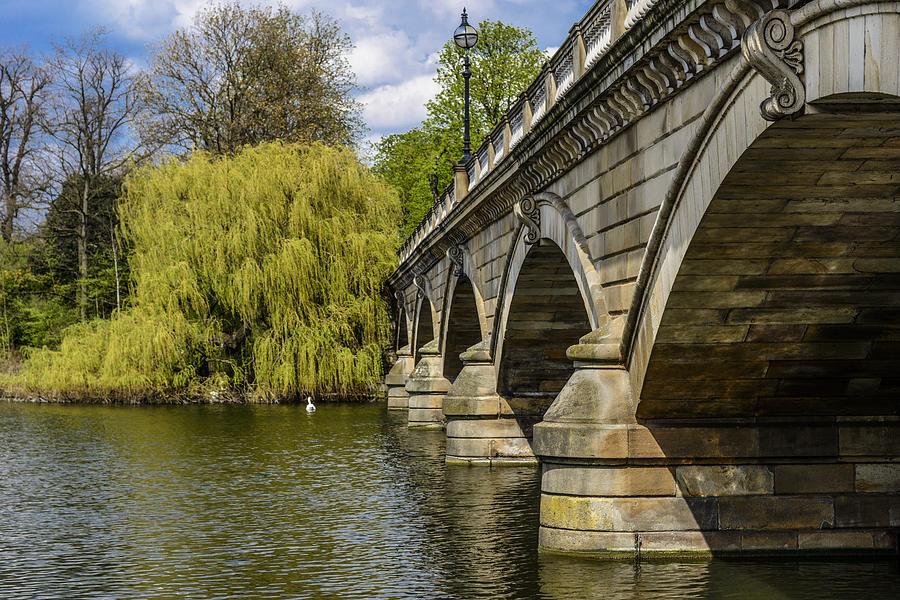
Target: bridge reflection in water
point(267, 502)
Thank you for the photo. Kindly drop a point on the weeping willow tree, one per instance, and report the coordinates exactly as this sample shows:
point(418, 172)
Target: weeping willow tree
point(260, 272)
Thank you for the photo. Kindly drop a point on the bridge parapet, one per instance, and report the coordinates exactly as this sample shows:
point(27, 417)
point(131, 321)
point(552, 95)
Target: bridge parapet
point(604, 76)
point(731, 276)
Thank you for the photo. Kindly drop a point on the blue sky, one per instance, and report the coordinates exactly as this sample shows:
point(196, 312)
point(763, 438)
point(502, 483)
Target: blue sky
point(396, 42)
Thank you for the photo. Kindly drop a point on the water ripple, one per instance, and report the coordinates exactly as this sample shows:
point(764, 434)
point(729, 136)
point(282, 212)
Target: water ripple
point(271, 503)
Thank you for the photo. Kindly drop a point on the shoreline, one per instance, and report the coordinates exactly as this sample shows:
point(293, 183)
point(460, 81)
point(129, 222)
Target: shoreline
point(162, 398)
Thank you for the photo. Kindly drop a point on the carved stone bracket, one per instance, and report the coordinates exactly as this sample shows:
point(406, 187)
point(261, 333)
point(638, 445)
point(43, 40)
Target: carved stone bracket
point(419, 282)
point(529, 214)
point(770, 48)
point(608, 105)
point(401, 299)
point(455, 254)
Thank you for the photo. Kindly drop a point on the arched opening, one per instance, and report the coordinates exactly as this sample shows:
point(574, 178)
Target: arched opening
point(424, 329)
point(787, 302)
point(402, 336)
point(463, 329)
point(546, 315)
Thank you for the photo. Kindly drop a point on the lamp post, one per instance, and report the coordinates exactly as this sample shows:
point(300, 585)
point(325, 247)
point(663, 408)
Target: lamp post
point(466, 37)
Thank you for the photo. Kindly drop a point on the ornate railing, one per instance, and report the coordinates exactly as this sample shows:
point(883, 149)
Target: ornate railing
point(587, 41)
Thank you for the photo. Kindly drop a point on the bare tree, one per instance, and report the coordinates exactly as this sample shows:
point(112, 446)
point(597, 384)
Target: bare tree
point(93, 107)
point(23, 92)
point(242, 76)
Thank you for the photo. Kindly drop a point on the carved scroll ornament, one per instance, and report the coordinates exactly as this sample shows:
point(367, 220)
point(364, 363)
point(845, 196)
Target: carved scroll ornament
point(455, 254)
point(529, 214)
point(419, 282)
point(770, 48)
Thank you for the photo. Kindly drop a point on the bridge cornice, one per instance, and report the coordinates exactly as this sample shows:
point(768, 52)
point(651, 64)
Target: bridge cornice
point(665, 49)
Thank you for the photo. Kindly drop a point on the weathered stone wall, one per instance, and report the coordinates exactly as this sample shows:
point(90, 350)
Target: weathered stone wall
point(737, 388)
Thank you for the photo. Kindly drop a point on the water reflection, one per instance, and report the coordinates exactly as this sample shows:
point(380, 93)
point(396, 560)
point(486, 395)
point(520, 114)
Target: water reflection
point(269, 502)
point(565, 577)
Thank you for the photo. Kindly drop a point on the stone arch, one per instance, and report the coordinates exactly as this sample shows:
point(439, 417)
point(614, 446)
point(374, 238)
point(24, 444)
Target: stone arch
point(735, 146)
point(401, 337)
point(404, 322)
point(545, 316)
point(462, 268)
point(546, 216)
point(462, 325)
point(426, 317)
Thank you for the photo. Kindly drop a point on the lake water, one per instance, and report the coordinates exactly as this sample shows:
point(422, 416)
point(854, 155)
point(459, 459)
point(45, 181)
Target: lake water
point(270, 502)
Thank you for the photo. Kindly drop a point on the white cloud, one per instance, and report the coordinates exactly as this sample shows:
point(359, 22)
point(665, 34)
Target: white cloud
point(385, 58)
point(370, 14)
point(147, 20)
point(477, 9)
point(143, 19)
point(399, 106)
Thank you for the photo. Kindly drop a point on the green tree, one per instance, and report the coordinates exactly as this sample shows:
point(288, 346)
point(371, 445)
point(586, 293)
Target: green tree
point(93, 108)
point(32, 314)
point(419, 163)
point(240, 76)
point(412, 163)
point(504, 62)
point(58, 261)
point(262, 271)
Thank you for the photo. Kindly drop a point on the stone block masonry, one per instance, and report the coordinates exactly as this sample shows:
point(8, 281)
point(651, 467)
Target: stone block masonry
point(674, 280)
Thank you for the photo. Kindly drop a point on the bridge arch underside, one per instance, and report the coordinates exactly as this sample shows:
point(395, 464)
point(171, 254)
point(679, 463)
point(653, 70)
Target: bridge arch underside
point(463, 328)
point(772, 390)
point(546, 315)
point(424, 329)
point(401, 337)
point(787, 303)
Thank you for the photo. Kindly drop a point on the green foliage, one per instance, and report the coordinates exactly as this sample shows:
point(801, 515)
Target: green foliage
point(504, 62)
point(413, 163)
point(419, 163)
point(31, 312)
point(39, 275)
point(57, 261)
point(261, 272)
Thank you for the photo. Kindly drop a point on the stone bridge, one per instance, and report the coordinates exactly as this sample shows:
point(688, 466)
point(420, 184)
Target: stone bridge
point(671, 276)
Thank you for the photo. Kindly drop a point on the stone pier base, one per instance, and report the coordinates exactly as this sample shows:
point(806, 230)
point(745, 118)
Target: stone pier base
point(828, 488)
point(397, 396)
point(426, 388)
point(481, 426)
point(494, 442)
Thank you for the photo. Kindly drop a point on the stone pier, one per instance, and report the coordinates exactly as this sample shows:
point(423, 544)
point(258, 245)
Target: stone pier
point(481, 426)
point(426, 387)
point(398, 397)
point(680, 250)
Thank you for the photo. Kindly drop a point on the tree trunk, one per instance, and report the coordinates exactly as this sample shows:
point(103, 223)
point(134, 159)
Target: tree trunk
point(112, 237)
point(82, 251)
point(9, 217)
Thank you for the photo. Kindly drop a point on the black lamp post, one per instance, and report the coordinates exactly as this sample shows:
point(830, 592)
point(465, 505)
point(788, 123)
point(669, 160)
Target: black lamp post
point(466, 37)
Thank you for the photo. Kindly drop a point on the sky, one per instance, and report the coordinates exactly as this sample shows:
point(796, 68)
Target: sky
point(395, 43)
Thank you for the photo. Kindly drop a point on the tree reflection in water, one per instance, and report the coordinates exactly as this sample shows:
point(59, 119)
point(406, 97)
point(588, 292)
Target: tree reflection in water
point(267, 502)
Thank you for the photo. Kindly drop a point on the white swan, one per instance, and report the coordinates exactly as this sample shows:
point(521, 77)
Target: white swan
point(310, 407)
